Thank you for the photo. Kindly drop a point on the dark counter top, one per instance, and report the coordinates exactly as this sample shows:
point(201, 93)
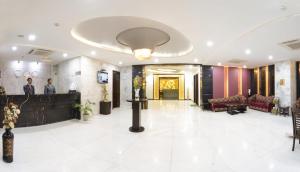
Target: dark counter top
point(42, 109)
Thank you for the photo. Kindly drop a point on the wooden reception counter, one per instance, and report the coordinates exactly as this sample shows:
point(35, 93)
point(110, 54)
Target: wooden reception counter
point(43, 109)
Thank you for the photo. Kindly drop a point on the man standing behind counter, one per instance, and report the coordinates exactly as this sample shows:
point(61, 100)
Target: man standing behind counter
point(49, 88)
point(29, 88)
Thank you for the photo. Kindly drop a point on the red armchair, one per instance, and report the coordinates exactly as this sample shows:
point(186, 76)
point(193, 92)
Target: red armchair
point(261, 103)
point(218, 105)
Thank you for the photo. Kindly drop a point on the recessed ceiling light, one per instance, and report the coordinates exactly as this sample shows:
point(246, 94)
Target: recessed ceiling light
point(31, 37)
point(120, 63)
point(244, 66)
point(195, 60)
point(14, 48)
point(65, 54)
point(93, 53)
point(247, 51)
point(156, 60)
point(219, 64)
point(270, 57)
point(210, 43)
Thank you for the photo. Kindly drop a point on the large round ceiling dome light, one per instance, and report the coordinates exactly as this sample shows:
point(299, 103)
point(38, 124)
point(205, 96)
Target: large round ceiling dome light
point(143, 40)
point(136, 36)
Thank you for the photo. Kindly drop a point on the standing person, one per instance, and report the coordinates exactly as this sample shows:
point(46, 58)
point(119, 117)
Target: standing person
point(29, 88)
point(49, 88)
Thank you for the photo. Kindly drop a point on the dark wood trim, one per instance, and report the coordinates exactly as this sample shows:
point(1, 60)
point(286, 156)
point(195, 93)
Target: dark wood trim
point(116, 90)
point(298, 79)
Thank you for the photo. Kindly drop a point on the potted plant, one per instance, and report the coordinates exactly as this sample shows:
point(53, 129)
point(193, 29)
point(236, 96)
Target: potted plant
point(11, 114)
point(137, 86)
point(105, 93)
point(2, 90)
point(85, 109)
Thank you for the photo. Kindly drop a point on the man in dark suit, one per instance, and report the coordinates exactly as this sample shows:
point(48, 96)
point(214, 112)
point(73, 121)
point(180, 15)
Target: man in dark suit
point(29, 88)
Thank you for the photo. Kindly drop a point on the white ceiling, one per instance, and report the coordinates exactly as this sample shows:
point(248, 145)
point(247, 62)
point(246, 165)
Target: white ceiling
point(233, 25)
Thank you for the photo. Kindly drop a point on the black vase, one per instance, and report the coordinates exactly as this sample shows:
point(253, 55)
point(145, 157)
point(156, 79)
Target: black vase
point(8, 145)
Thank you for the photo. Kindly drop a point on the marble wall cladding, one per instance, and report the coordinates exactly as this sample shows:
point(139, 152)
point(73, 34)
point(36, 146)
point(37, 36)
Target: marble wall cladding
point(68, 75)
point(91, 90)
point(81, 73)
point(284, 74)
point(13, 79)
point(126, 83)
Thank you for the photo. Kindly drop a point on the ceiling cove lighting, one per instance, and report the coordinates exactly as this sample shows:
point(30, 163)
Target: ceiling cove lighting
point(270, 57)
point(14, 48)
point(31, 37)
point(247, 51)
point(209, 43)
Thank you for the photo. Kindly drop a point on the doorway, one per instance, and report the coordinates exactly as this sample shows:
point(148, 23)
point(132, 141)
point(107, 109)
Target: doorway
point(116, 89)
point(196, 89)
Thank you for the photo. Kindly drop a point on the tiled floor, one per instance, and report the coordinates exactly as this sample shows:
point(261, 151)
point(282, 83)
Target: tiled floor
point(178, 138)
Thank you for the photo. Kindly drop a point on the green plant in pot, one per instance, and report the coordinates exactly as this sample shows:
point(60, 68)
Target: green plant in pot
point(11, 114)
point(85, 109)
point(137, 83)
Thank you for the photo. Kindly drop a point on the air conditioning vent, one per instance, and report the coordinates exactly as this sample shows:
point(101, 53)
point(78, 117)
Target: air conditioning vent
point(292, 45)
point(40, 52)
point(236, 61)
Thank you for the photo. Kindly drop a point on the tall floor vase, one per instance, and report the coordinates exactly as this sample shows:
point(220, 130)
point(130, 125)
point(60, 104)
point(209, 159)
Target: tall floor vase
point(8, 145)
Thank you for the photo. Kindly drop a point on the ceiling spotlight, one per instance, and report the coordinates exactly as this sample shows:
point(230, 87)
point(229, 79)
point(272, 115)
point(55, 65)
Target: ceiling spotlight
point(120, 63)
point(65, 55)
point(195, 60)
point(31, 37)
point(244, 66)
point(210, 43)
point(270, 57)
point(219, 64)
point(247, 51)
point(14, 48)
point(156, 60)
point(93, 53)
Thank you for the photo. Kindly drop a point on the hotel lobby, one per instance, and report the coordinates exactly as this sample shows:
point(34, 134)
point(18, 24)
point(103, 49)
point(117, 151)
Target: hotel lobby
point(153, 86)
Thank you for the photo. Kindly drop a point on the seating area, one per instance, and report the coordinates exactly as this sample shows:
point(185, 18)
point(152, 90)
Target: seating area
point(218, 105)
point(261, 103)
point(256, 102)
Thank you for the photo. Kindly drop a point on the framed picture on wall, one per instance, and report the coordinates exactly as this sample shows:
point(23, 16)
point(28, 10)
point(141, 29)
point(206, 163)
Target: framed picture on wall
point(282, 82)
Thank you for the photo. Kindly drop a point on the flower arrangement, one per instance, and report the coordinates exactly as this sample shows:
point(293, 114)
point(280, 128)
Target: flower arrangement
point(11, 114)
point(137, 82)
point(2, 90)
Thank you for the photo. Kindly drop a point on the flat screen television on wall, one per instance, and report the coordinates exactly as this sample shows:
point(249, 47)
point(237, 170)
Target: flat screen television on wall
point(102, 77)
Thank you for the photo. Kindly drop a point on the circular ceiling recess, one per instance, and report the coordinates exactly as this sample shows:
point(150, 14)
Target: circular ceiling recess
point(125, 33)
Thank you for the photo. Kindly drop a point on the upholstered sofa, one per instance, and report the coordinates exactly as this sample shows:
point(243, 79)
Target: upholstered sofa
point(261, 103)
point(218, 104)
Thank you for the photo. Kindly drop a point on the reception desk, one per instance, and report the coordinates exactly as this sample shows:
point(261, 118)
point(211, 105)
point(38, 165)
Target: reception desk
point(43, 109)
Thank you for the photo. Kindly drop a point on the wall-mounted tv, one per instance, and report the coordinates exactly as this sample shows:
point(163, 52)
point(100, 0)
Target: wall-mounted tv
point(102, 77)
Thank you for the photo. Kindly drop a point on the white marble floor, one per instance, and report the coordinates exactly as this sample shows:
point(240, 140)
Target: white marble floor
point(178, 138)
